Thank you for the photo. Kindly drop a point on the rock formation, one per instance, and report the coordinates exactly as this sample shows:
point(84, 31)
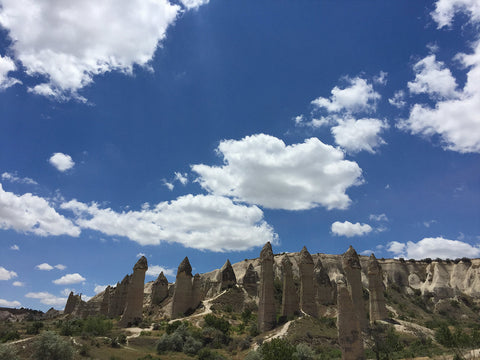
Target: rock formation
point(72, 303)
point(196, 291)
point(250, 280)
point(307, 290)
point(182, 296)
point(159, 289)
point(105, 305)
point(352, 269)
point(266, 305)
point(134, 302)
point(226, 276)
point(349, 332)
point(324, 291)
point(119, 297)
point(378, 308)
point(290, 305)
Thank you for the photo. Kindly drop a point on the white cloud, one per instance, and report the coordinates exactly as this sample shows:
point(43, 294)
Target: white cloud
point(60, 267)
point(348, 229)
point(14, 247)
point(182, 178)
point(194, 4)
point(381, 78)
point(357, 96)
point(44, 266)
point(99, 288)
point(155, 270)
point(455, 120)
point(7, 65)
point(139, 255)
point(6, 274)
point(67, 291)
point(57, 44)
point(357, 135)
point(18, 283)
point(367, 252)
point(398, 99)
point(69, 279)
point(47, 298)
point(62, 162)
point(12, 177)
point(169, 185)
point(32, 214)
point(427, 224)
point(433, 78)
point(434, 248)
point(446, 9)
point(379, 217)
point(201, 222)
point(7, 303)
point(260, 169)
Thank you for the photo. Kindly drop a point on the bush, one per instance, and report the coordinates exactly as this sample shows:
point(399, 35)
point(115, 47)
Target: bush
point(217, 323)
point(214, 337)
point(207, 354)
point(303, 352)
point(50, 346)
point(191, 346)
point(97, 326)
point(8, 353)
point(34, 328)
point(277, 349)
point(253, 355)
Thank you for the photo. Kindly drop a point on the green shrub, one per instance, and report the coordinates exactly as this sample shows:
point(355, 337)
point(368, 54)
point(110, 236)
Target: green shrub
point(191, 346)
point(50, 346)
point(277, 349)
point(171, 327)
point(8, 353)
point(207, 354)
point(34, 328)
point(253, 355)
point(303, 352)
point(217, 323)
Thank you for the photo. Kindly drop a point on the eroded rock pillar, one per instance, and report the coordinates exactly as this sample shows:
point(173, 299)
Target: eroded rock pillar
point(134, 305)
point(290, 304)
point(182, 295)
point(307, 290)
point(266, 306)
point(378, 308)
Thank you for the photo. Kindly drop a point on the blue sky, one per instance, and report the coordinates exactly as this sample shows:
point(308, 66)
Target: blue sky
point(206, 128)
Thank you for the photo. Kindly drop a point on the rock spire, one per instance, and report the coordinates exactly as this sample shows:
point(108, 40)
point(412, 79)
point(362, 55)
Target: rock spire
point(266, 306)
point(378, 308)
point(307, 290)
point(290, 305)
point(134, 302)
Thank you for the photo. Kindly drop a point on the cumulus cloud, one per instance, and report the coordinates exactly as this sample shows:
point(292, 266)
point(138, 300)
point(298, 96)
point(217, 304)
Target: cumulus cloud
point(182, 178)
point(47, 298)
point(433, 78)
point(348, 229)
point(60, 267)
point(169, 185)
point(6, 274)
point(69, 279)
point(357, 96)
point(357, 135)
point(155, 270)
point(398, 99)
point(57, 44)
point(14, 247)
point(445, 10)
point(32, 214)
point(7, 65)
point(378, 217)
point(13, 177)
point(18, 283)
point(62, 162)
point(262, 170)
point(7, 303)
point(205, 222)
point(434, 248)
point(44, 266)
point(194, 4)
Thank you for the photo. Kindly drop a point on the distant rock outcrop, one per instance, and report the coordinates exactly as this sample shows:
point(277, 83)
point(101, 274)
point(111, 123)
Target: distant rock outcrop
point(159, 289)
point(134, 301)
point(377, 306)
point(266, 305)
point(307, 289)
point(290, 305)
point(226, 276)
point(250, 280)
point(72, 303)
point(325, 292)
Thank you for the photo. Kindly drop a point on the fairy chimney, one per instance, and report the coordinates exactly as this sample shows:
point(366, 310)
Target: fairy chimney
point(182, 295)
point(352, 269)
point(266, 306)
point(290, 304)
point(159, 289)
point(378, 308)
point(134, 304)
point(307, 290)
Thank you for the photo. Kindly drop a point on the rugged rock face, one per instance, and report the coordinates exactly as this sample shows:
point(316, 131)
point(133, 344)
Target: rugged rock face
point(72, 303)
point(105, 305)
point(290, 305)
point(250, 280)
point(349, 332)
point(159, 289)
point(134, 302)
point(197, 295)
point(352, 269)
point(266, 305)
point(377, 306)
point(183, 294)
point(119, 297)
point(325, 292)
point(226, 276)
point(307, 289)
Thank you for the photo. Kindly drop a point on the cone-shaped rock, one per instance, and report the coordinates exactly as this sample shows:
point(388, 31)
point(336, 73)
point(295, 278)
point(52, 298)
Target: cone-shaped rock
point(227, 276)
point(159, 289)
point(349, 333)
point(324, 289)
point(72, 303)
point(290, 304)
point(307, 290)
point(266, 306)
point(352, 269)
point(134, 304)
point(183, 293)
point(105, 305)
point(378, 309)
point(250, 280)
point(119, 297)
point(196, 291)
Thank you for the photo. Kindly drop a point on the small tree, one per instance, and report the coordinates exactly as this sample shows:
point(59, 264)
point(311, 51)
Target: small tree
point(51, 346)
point(8, 353)
point(277, 349)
